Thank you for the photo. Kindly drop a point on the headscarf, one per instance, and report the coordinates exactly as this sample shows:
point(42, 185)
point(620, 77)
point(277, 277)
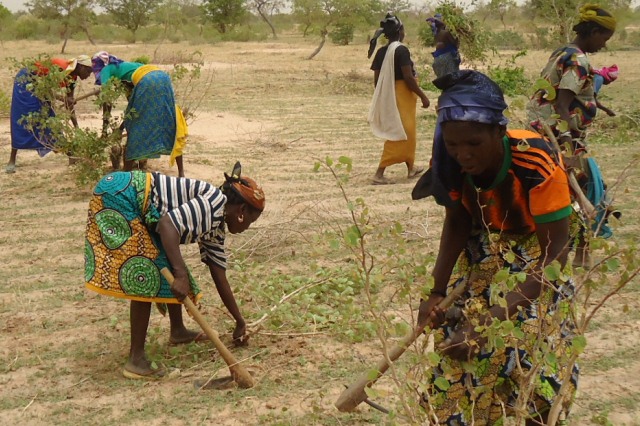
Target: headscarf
point(101, 60)
point(467, 95)
point(389, 26)
point(589, 13)
point(245, 187)
point(78, 60)
point(433, 20)
point(608, 73)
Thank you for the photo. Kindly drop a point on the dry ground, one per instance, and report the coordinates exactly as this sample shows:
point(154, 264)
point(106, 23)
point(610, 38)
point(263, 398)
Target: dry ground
point(62, 347)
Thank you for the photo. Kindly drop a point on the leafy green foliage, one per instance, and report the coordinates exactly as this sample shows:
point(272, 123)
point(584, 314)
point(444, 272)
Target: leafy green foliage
point(131, 14)
point(342, 34)
point(510, 77)
point(475, 41)
point(224, 14)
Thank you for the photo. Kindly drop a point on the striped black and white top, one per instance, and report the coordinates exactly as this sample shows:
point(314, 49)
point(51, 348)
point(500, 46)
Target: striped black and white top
point(196, 209)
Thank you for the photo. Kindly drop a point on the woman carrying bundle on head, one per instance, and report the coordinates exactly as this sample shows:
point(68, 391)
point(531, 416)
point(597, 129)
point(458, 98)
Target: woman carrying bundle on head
point(155, 124)
point(137, 222)
point(446, 57)
point(24, 102)
point(507, 207)
point(573, 101)
point(392, 114)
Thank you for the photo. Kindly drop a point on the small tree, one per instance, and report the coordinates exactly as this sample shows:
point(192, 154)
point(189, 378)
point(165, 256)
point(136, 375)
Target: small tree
point(131, 14)
point(74, 15)
point(265, 8)
point(224, 14)
point(325, 15)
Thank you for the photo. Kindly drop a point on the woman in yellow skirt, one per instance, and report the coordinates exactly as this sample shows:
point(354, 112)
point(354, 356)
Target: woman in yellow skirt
point(392, 114)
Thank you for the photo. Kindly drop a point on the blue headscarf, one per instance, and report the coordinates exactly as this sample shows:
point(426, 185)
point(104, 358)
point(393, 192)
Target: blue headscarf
point(101, 60)
point(466, 96)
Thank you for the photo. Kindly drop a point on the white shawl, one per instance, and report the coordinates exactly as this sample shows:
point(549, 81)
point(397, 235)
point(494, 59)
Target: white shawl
point(384, 116)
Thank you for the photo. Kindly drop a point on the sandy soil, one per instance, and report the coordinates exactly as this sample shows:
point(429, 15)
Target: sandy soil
point(62, 347)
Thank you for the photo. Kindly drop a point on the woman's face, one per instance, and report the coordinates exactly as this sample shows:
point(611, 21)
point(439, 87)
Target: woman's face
point(83, 72)
point(476, 147)
point(598, 40)
point(239, 218)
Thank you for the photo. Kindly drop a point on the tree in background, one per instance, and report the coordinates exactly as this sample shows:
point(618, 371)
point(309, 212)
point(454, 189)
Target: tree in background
point(336, 15)
point(74, 15)
point(224, 14)
point(170, 16)
point(497, 8)
point(266, 8)
point(131, 14)
point(562, 14)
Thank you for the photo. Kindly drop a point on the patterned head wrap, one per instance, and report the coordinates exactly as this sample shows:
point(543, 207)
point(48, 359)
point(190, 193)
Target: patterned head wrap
point(466, 96)
point(101, 60)
point(245, 187)
point(78, 60)
point(589, 13)
point(389, 26)
point(608, 73)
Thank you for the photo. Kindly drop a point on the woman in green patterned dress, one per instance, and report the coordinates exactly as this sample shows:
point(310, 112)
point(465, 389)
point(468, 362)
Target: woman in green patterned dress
point(137, 222)
point(507, 208)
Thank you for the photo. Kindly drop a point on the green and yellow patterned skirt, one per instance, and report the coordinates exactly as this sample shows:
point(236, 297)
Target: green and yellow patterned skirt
point(485, 390)
point(123, 256)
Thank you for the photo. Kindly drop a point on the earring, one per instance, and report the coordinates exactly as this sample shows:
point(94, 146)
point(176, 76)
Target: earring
point(241, 218)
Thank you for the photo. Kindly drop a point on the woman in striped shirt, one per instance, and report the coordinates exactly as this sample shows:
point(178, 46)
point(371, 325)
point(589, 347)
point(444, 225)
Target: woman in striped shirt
point(137, 222)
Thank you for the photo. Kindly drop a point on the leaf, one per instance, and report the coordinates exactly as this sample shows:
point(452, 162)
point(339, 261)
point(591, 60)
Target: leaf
point(578, 344)
point(316, 166)
point(344, 160)
point(373, 374)
point(329, 161)
point(434, 358)
point(612, 264)
point(442, 383)
point(501, 276)
point(562, 126)
point(552, 271)
point(510, 257)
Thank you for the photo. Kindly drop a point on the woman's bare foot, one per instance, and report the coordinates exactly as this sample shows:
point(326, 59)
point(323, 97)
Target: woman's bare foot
point(186, 336)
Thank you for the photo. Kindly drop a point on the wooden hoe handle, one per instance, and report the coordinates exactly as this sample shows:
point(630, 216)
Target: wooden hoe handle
point(355, 394)
point(240, 375)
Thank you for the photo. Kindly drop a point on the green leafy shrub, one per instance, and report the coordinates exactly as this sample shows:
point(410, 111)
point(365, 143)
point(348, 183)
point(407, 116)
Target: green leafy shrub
point(510, 77)
point(26, 27)
point(342, 35)
point(508, 39)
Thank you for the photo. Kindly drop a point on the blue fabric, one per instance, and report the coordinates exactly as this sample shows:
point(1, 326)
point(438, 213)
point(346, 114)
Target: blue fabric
point(466, 96)
point(598, 81)
point(597, 195)
point(23, 102)
point(450, 48)
point(151, 117)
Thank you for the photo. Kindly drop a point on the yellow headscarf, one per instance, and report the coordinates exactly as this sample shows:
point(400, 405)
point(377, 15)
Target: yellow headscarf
point(589, 13)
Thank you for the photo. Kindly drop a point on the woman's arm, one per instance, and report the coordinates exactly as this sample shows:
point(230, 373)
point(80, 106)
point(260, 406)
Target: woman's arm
point(171, 244)
point(219, 276)
point(554, 244)
point(456, 230)
point(412, 83)
point(553, 238)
